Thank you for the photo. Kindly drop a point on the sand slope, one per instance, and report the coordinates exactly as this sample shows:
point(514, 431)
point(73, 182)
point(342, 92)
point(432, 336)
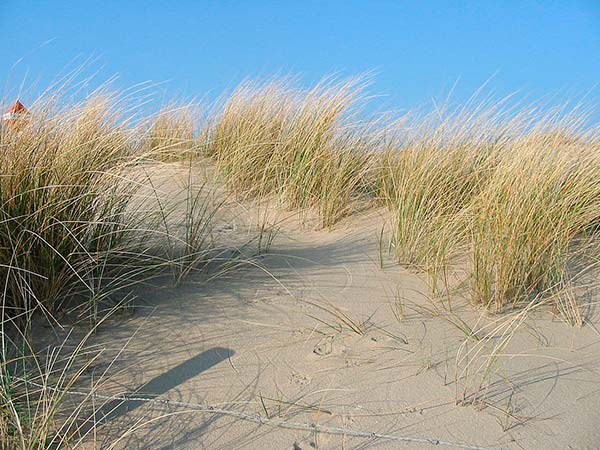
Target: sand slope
point(311, 337)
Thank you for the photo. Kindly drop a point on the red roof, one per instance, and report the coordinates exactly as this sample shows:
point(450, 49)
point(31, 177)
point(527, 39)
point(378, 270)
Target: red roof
point(17, 108)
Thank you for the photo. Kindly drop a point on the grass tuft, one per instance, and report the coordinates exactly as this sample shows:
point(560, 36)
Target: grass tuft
point(299, 145)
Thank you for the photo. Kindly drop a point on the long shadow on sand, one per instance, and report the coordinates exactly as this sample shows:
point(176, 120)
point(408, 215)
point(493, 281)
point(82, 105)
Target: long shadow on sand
point(159, 385)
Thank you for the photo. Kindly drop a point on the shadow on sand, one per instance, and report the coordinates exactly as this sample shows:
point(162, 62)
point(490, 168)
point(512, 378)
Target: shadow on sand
point(158, 386)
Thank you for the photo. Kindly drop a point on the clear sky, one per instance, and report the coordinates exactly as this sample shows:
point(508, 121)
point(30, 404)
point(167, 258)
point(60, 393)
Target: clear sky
point(417, 49)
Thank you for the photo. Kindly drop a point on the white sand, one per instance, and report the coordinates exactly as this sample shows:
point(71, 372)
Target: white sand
point(301, 363)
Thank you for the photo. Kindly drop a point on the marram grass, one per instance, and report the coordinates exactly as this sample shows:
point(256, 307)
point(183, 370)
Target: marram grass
point(299, 145)
point(512, 194)
point(533, 219)
point(80, 224)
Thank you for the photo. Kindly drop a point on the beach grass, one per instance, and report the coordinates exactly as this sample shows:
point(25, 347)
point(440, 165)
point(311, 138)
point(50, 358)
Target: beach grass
point(81, 225)
point(510, 195)
point(299, 145)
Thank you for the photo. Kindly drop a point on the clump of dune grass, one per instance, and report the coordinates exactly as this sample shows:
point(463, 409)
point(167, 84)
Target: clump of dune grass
point(82, 223)
point(77, 221)
point(299, 145)
point(63, 205)
point(247, 134)
point(171, 132)
point(535, 217)
point(425, 190)
point(438, 164)
point(63, 219)
point(516, 189)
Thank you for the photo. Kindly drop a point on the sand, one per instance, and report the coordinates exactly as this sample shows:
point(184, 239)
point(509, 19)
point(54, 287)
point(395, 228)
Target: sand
point(313, 333)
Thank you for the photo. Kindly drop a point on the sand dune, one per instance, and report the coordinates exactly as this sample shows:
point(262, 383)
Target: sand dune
point(320, 333)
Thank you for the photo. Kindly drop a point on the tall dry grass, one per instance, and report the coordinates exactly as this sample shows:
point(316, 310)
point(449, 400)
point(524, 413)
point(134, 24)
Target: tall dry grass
point(458, 182)
point(63, 205)
point(81, 224)
point(510, 194)
point(516, 190)
point(171, 132)
point(438, 163)
point(299, 145)
point(532, 224)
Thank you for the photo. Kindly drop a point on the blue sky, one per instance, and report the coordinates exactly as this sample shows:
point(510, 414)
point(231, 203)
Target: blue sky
point(418, 50)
